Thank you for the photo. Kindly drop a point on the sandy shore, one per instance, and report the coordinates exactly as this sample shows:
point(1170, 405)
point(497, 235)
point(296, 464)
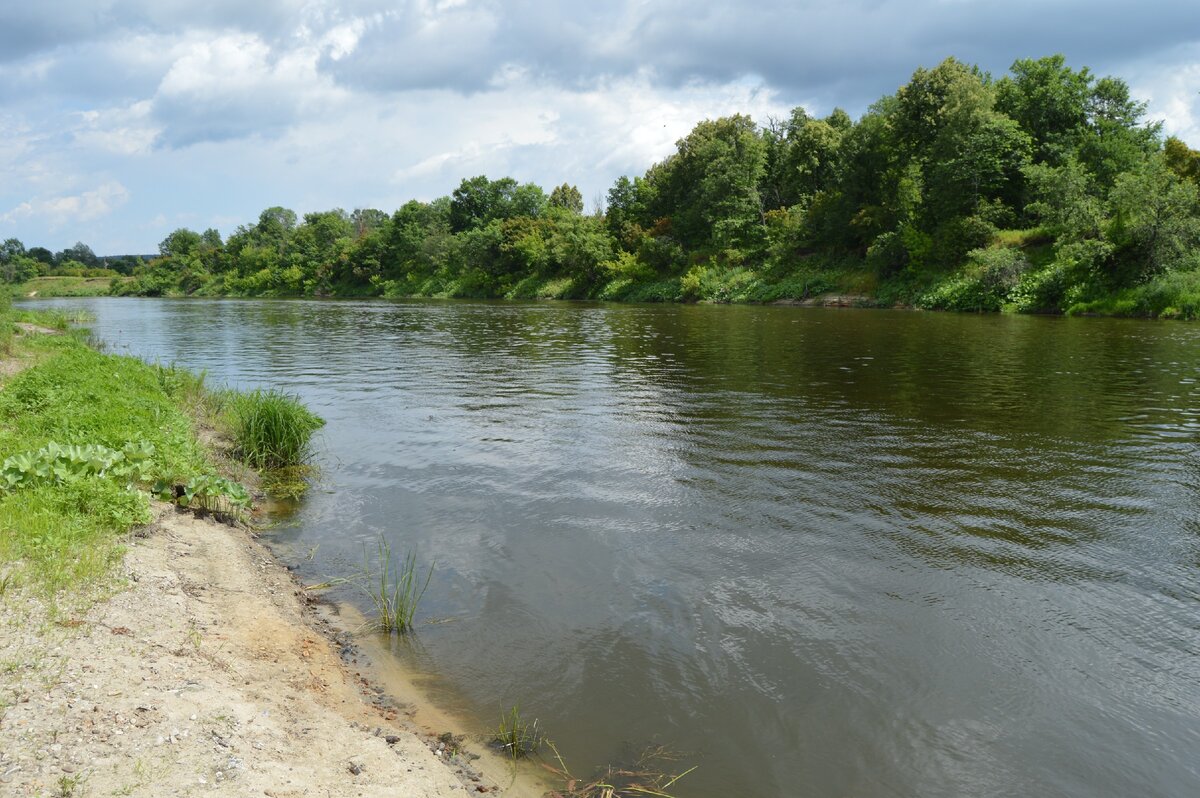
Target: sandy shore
point(204, 674)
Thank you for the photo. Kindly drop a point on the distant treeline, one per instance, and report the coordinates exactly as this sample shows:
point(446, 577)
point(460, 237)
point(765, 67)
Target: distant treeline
point(18, 264)
point(1043, 190)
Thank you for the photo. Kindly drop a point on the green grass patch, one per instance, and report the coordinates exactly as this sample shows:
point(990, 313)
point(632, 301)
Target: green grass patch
point(1175, 295)
point(70, 286)
point(79, 432)
point(86, 438)
point(272, 429)
point(1031, 237)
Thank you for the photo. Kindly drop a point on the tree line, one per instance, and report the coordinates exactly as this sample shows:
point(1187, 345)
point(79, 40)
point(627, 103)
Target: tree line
point(1045, 189)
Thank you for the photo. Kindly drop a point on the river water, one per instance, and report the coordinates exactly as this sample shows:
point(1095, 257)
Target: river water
point(819, 552)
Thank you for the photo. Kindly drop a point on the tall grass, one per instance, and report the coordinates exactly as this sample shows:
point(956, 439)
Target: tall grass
point(395, 589)
point(517, 737)
point(272, 429)
point(6, 323)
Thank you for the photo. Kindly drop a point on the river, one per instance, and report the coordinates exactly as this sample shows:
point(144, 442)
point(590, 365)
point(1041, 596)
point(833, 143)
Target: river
point(819, 552)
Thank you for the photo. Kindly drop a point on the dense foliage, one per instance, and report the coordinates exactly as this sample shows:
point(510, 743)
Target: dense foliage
point(1043, 190)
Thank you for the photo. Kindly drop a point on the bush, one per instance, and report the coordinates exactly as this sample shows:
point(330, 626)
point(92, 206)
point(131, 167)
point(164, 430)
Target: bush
point(985, 284)
point(1041, 291)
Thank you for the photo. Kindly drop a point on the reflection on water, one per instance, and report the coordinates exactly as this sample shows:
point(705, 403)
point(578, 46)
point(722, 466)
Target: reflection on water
point(826, 552)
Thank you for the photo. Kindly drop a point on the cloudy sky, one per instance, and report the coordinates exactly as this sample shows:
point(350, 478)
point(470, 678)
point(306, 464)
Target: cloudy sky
point(121, 120)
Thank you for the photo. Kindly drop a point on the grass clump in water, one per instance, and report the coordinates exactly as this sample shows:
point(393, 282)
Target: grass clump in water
point(395, 590)
point(646, 775)
point(517, 737)
point(272, 429)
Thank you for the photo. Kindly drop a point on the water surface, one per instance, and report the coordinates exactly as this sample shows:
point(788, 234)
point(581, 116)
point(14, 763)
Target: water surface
point(823, 552)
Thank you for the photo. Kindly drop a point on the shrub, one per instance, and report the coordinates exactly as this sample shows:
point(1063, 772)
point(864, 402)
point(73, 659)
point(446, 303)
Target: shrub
point(985, 284)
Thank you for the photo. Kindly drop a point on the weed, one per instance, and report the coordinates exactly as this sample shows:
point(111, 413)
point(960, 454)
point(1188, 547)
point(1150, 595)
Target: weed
point(207, 493)
point(272, 429)
point(67, 784)
point(287, 484)
point(394, 590)
point(645, 776)
point(516, 737)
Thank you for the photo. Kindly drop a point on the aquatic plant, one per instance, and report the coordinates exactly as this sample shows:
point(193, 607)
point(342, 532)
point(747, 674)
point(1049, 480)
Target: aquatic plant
point(395, 590)
point(517, 737)
point(287, 484)
point(645, 776)
point(272, 429)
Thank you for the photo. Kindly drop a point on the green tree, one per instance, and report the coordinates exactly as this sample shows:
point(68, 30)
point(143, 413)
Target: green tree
point(803, 157)
point(924, 104)
point(1115, 140)
point(1064, 200)
point(1050, 101)
point(709, 187)
point(180, 244)
point(80, 253)
point(478, 201)
point(41, 255)
point(1156, 220)
point(18, 269)
point(11, 248)
point(1182, 159)
point(567, 197)
point(578, 246)
point(274, 229)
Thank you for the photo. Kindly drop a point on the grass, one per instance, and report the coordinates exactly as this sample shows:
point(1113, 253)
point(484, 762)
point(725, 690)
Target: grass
point(272, 429)
point(647, 775)
point(516, 737)
point(7, 329)
point(69, 286)
point(65, 528)
point(394, 589)
point(1175, 295)
point(54, 536)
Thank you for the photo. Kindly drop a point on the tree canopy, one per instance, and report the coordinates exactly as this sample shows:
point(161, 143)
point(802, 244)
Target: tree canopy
point(911, 198)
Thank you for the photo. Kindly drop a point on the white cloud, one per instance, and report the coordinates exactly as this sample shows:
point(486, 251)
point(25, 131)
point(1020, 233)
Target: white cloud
point(123, 131)
point(1173, 94)
point(83, 207)
point(236, 85)
point(220, 109)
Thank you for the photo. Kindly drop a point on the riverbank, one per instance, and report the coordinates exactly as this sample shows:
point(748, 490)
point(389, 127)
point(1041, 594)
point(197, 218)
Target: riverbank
point(1174, 295)
point(69, 286)
point(147, 651)
point(201, 674)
